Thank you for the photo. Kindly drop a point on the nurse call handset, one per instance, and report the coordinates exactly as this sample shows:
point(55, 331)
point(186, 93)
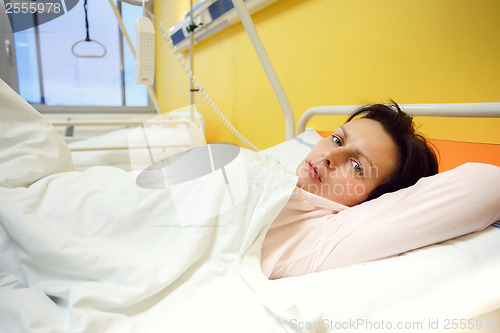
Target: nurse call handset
point(145, 51)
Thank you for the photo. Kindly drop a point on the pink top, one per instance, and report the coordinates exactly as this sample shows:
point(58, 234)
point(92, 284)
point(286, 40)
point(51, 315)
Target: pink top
point(314, 234)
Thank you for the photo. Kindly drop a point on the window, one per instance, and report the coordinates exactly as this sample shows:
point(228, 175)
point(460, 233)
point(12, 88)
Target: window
point(52, 75)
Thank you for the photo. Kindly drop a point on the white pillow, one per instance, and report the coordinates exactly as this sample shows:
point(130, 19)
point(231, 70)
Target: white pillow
point(29, 147)
point(290, 153)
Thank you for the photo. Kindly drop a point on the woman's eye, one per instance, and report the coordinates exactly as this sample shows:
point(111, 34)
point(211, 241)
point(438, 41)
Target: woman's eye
point(357, 167)
point(336, 140)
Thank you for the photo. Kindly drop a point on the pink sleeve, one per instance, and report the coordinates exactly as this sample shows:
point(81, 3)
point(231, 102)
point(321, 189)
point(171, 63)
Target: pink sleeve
point(437, 208)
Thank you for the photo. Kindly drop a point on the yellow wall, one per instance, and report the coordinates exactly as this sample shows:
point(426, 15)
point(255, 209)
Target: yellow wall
point(334, 52)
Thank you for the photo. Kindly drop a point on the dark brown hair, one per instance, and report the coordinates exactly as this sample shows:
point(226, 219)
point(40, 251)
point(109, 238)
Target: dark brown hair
point(416, 157)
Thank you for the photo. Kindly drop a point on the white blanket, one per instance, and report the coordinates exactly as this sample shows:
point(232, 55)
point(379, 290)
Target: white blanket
point(97, 253)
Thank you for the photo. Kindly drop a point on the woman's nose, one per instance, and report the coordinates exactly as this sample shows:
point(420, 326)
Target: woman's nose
point(333, 157)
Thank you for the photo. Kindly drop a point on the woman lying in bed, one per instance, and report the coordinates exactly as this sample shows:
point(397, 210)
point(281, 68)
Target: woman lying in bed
point(331, 220)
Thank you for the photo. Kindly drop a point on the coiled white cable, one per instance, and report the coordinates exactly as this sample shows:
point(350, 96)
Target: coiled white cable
point(198, 86)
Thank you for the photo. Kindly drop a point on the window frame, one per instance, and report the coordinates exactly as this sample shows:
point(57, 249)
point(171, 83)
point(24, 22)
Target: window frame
point(10, 68)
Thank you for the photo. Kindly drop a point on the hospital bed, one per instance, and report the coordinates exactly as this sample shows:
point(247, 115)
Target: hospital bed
point(91, 251)
point(98, 139)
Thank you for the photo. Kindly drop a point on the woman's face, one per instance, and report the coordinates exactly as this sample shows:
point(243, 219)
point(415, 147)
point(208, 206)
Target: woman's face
point(349, 164)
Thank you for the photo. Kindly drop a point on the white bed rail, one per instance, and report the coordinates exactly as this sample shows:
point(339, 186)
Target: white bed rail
point(481, 110)
point(73, 128)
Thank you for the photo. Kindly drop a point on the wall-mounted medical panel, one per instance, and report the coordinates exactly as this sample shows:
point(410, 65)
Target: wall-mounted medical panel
point(209, 18)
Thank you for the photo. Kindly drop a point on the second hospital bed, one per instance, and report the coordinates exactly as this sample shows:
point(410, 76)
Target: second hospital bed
point(117, 139)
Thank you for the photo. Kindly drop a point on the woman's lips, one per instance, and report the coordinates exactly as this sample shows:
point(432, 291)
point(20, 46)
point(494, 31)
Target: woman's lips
point(313, 171)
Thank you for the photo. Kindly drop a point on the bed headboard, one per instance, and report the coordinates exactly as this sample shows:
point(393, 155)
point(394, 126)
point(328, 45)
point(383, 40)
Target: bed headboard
point(450, 153)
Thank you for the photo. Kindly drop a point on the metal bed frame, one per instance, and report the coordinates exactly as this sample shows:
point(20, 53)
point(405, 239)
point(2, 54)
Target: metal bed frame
point(470, 110)
point(74, 128)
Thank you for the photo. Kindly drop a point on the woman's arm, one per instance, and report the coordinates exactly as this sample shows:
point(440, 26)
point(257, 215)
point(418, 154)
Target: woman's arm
point(437, 208)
